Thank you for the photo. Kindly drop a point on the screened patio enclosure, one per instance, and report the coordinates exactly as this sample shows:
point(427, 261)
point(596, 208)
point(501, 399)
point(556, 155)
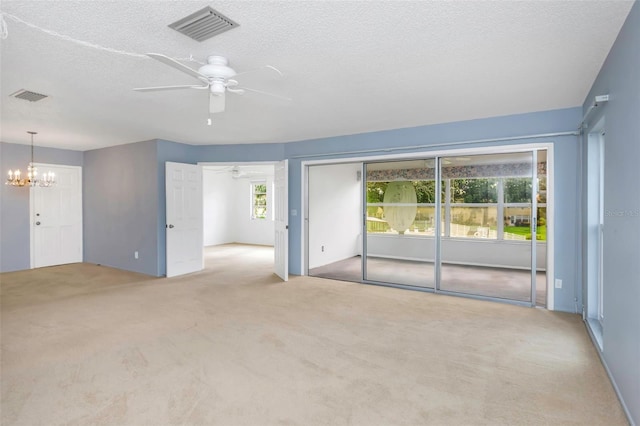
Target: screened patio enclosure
point(459, 224)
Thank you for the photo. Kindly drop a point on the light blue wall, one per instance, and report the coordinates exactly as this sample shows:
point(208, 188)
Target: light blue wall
point(620, 79)
point(14, 202)
point(120, 204)
point(248, 152)
point(565, 172)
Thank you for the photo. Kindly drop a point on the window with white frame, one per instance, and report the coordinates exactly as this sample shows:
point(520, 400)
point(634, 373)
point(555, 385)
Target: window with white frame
point(491, 207)
point(259, 200)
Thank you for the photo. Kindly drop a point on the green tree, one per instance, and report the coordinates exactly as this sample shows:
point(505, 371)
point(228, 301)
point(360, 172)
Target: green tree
point(517, 190)
point(474, 190)
point(375, 191)
point(425, 191)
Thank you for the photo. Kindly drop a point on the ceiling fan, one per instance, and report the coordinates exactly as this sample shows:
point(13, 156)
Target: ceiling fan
point(215, 75)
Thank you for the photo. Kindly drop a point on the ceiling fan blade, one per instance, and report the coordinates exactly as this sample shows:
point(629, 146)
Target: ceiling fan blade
point(227, 169)
point(160, 88)
point(216, 103)
point(177, 65)
point(239, 89)
point(267, 67)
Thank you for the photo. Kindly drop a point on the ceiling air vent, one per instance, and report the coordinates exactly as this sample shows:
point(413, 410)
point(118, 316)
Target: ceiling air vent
point(28, 95)
point(203, 24)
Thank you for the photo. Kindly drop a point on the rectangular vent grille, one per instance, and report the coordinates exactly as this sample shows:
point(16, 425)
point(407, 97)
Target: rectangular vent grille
point(203, 24)
point(28, 95)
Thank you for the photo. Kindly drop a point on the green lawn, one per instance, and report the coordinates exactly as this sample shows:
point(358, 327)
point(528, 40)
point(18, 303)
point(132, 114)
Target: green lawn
point(522, 230)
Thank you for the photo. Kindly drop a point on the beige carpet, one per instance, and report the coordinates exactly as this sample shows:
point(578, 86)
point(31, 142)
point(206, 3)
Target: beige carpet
point(84, 344)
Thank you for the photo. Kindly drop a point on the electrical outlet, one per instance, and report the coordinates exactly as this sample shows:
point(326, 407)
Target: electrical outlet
point(558, 283)
point(322, 248)
point(135, 255)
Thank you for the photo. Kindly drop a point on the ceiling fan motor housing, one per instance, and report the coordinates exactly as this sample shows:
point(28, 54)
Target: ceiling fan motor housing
point(217, 71)
point(216, 67)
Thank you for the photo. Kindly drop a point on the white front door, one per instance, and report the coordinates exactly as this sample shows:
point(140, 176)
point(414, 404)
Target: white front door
point(184, 219)
point(281, 216)
point(56, 218)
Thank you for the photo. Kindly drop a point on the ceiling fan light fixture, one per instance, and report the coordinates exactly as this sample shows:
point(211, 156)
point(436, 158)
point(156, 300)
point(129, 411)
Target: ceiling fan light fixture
point(217, 87)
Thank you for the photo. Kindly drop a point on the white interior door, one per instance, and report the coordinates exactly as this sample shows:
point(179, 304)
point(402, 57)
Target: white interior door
point(184, 226)
point(281, 218)
point(56, 218)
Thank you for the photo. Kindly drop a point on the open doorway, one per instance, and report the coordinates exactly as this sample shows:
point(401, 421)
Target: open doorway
point(238, 204)
point(334, 221)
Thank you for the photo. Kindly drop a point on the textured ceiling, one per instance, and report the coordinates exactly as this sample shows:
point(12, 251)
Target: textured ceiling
point(350, 67)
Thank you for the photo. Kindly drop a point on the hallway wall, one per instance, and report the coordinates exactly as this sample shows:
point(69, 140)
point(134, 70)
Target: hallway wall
point(217, 191)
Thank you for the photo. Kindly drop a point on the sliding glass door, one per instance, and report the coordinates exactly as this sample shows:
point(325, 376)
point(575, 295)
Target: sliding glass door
point(400, 222)
point(487, 247)
point(464, 224)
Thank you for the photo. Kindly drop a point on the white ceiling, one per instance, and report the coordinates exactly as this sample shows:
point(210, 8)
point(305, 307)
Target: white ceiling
point(350, 66)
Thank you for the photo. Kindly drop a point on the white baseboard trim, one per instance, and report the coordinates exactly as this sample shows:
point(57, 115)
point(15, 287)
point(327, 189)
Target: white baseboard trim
point(606, 368)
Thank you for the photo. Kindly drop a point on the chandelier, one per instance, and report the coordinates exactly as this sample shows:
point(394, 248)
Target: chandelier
point(15, 177)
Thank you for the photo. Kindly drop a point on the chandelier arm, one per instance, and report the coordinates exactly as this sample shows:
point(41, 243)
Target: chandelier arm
point(31, 178)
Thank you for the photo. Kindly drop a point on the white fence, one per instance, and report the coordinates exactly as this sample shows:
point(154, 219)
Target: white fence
point(455, 231)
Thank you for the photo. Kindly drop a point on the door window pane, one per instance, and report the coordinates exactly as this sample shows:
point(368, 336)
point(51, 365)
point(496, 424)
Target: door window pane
point(474, 190)
point(401, 222)
point(473, 260)
point(469, 221)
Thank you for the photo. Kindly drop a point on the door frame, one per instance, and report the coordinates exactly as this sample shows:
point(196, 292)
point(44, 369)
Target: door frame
point(32, 251)
point(592, 251)
point(440, 152)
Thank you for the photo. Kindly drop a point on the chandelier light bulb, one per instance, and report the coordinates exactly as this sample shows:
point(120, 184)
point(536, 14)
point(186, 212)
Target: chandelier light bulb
point(15, 176)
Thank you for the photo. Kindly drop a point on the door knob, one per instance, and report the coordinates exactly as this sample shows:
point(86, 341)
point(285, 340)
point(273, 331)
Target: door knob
point(170, 226)
point(37, 223)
